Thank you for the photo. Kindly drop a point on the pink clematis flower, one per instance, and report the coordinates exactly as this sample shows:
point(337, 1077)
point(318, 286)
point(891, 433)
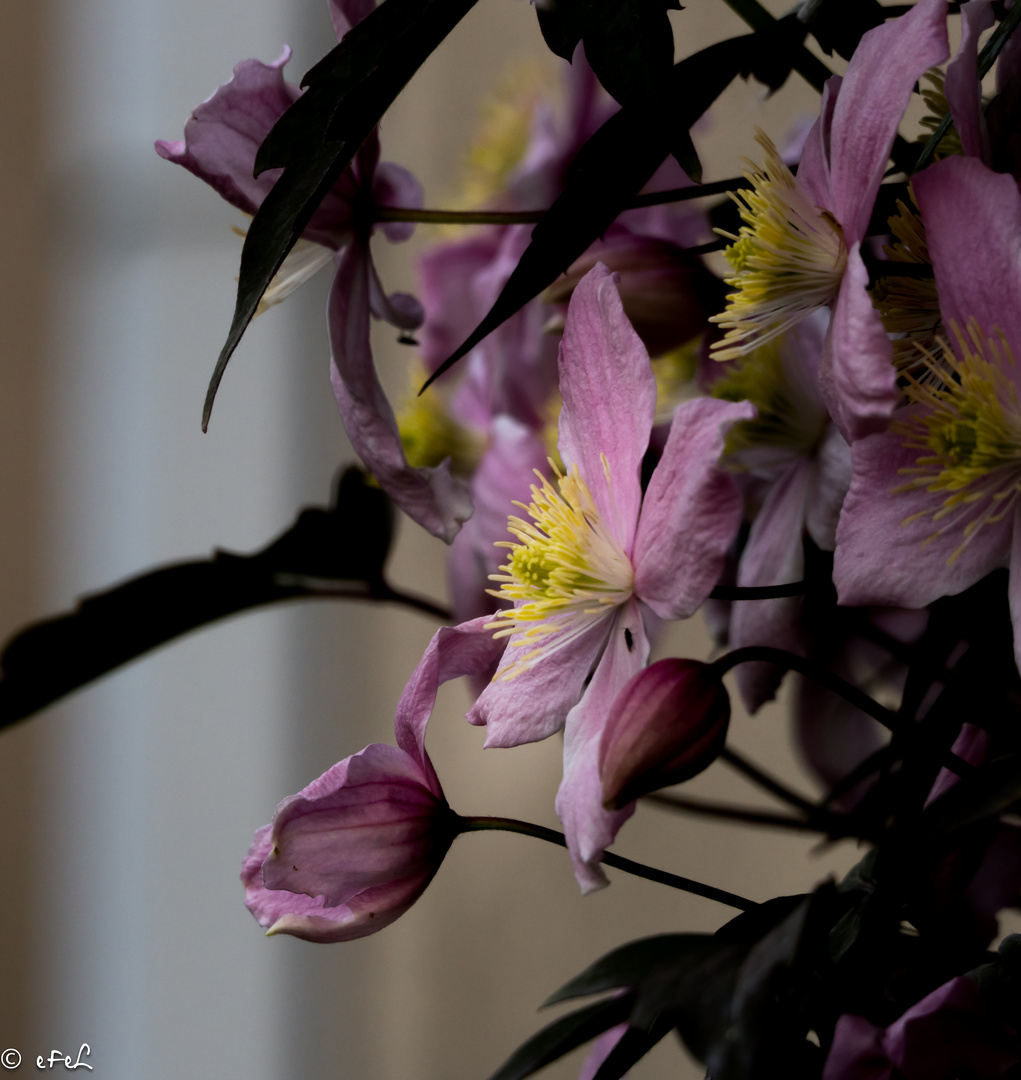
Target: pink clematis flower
point(596, 554)
point(220, 142)
point(355, 849)
point(800, 247)
point(933, 504)
point(947, 1034)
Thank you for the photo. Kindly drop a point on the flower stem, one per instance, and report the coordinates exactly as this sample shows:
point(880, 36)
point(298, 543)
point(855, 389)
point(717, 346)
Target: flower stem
point(530, 217)
point(650, 873)
point(764, 780)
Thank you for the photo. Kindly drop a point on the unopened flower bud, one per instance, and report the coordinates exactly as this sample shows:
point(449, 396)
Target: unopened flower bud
point(352, 851)
point(667, 724)
point(667, 294)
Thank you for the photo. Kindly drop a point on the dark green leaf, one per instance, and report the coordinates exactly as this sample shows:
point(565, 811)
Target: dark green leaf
point(50, 659)
point(838, 25)
point(632, 1046)
point(317, 138)
point(627, 965)
point(563, 1036)
point(610, 169)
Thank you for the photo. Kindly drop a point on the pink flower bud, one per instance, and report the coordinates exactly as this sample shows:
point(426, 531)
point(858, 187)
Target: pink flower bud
point(352, 851)
point(667, 294)
point(667, 724)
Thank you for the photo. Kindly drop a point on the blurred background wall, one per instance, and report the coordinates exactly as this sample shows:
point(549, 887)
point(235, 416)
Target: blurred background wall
point(127, 808)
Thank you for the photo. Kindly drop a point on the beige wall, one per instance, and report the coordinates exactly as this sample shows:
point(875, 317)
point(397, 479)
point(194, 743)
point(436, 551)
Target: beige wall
point(22, 310)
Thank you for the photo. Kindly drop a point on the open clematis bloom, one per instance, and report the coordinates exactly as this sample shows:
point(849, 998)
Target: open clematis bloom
point(800, 246)
point(355, 849)
point(933, 503)
point(221, 139)
point(595, 553)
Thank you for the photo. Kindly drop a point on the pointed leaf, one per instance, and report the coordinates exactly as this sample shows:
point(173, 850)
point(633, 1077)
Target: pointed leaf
point(317, 138)
point(563, 1036)
point(627, 965)
point(348, 542)
point(632, 1046)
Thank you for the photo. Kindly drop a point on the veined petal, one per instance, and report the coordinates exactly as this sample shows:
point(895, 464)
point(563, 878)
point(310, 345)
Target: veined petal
point(589, 828)
point(889, 550)
point(535, 705)
point(875, 92)
point(962, 86)
point(224, 133)
point(972, 222)
point(691, 512)
point(468, 649)
point(609, 395)
point(431, 496)
point(830, 481)
point(814, 170)
point(857, 377)
point(393, 185)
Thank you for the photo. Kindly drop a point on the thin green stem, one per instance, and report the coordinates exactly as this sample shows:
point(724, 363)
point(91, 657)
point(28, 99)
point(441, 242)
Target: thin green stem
point(748, 816)
point(618, 862)
point(530, 217)
point(768, 783)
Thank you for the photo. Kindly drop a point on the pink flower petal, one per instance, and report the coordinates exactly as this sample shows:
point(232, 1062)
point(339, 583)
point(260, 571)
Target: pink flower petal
point(588, 826)
point(875, 92)
point(881, 559)
point(857, 378)
point(535, 704)
point(692, 510)
point(772, 556)
point(962, 85)
point(609, 394)
point(431, 496)
point(972, 222)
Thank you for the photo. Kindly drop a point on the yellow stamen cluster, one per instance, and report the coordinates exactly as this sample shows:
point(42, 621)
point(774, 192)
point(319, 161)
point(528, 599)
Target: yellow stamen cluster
point(908, 306)
point(968, 435)
point(430, 435)
point(791, 420)
point(788, 258)
point(565, 572)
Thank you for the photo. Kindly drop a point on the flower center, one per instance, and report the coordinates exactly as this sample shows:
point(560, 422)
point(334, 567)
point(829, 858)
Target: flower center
point(788, 258)
point(968, 435)
point(430, 435)
point(565, 572)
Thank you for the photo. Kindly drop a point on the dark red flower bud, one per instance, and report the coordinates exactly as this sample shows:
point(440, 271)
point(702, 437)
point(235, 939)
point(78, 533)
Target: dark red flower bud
point(667, 294)
point(667, 724)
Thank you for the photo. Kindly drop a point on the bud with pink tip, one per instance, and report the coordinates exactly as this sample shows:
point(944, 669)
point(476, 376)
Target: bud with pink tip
point(352, 851)
point(667, 724)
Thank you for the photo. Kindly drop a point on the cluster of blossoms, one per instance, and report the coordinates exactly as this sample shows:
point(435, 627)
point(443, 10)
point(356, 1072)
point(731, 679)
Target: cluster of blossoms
point(817, 458)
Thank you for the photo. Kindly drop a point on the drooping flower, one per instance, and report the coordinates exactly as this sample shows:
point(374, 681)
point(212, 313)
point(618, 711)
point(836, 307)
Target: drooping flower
point(355, 849)
point(800, 247)
point(595, 552)
point(933, 504)
point(220, 143)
